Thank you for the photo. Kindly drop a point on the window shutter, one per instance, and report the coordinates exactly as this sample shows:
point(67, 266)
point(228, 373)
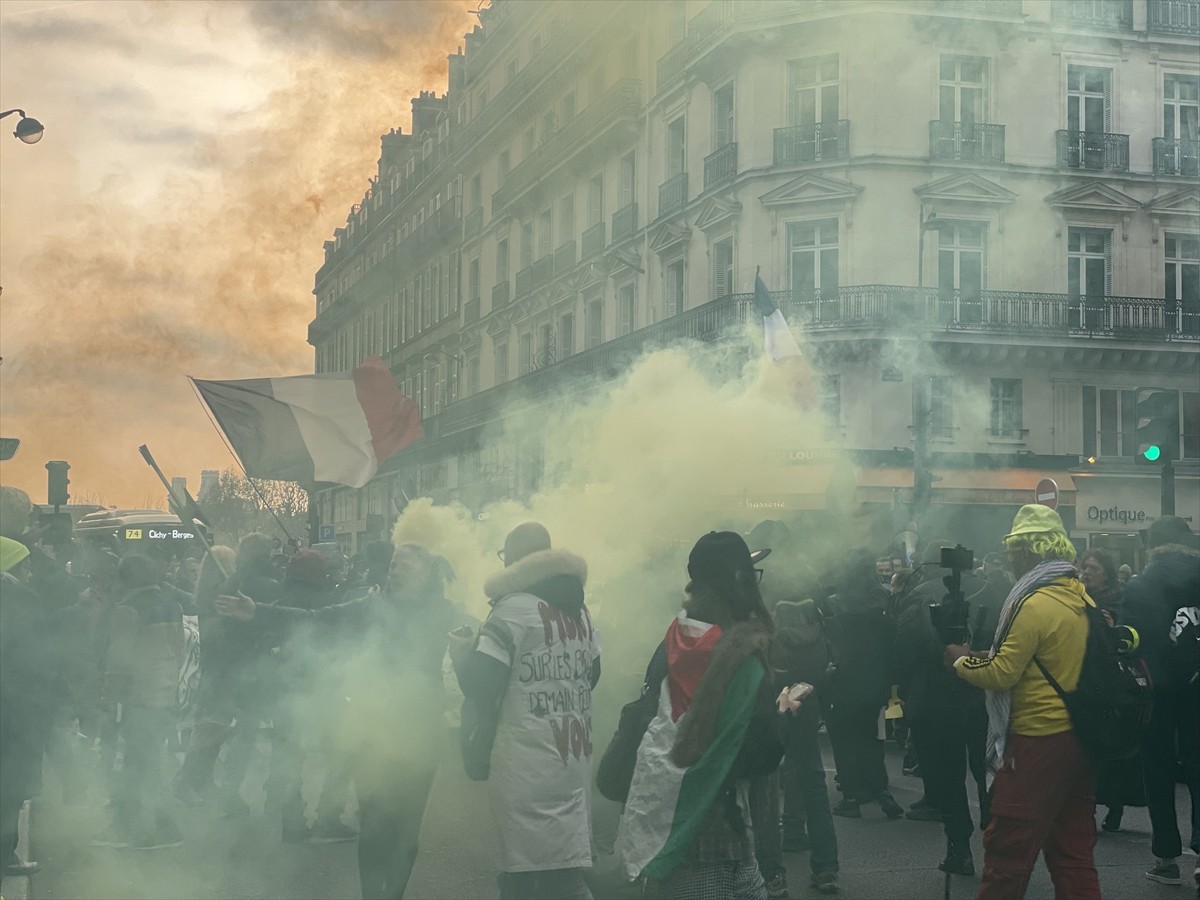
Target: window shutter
point(722, 113)
point(1108, 263)
point(670, 289)
point(722, 266)
point(1108, 101)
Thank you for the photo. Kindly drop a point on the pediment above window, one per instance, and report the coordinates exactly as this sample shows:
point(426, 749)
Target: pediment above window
point(669, 237)
point(811, 189)
point(1093, 195)
point(717, 214)
point(965, 188)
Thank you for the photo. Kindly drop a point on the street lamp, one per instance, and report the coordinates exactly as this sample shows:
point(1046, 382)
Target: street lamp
point(28, 130)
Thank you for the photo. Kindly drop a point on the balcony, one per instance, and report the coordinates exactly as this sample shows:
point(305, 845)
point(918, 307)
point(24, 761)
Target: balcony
point(473, 223)
point(1097, 13)
point(1093, 150)
point(471, 312)
point(592, 130)
point(1176, 157)
point(1174, 17)
point(525, 281)
point(500, 294)
point(543, 271)
point(812, 143)
point(672, 194)
point(592, 241)
point(624, 222)
point(564, 258)
point(966, 141)
point(720, 166)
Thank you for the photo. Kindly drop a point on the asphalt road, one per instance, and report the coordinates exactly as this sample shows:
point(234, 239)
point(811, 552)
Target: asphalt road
point(238, 858)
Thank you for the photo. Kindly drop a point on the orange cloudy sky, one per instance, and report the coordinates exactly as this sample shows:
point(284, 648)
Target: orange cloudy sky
point(170, 222)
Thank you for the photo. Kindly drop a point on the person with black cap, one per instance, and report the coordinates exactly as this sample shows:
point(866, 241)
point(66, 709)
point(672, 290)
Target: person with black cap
point(537, 659)
point(687, 818)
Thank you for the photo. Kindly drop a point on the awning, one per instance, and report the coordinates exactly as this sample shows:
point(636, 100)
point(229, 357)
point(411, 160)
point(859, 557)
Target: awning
point(1007, 486)
point(789, 487)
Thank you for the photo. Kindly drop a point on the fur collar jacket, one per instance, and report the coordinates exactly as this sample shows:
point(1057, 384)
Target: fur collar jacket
point(556, 576)
point(698, 727)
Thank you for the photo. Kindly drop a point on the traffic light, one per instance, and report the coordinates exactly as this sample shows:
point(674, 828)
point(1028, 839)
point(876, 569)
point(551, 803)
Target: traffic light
point(8, 448)
point(1157, 426)
point(56, 482)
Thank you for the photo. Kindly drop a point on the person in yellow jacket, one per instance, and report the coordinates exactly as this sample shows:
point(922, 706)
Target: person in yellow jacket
point(1043, 789)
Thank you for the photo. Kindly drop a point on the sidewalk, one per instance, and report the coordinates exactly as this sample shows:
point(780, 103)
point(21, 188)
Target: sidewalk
point(16, 887)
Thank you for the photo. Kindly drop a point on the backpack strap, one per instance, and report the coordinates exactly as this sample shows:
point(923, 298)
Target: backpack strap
point(1050, 678)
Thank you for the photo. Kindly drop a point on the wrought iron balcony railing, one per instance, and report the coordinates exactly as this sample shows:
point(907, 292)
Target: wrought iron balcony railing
point(720, 166)
point(471, 311)
point(672, 194)
point(1100, 13)
point(624, 221)
point(592, 241)
point(1093, 150)
point(543, 271)
point(969, 141)
point(473, 222)
point(1176, 157)
point(500, 294)
point(1174, 17)
point(564, 258)
point(524, 280)
point(820, 141)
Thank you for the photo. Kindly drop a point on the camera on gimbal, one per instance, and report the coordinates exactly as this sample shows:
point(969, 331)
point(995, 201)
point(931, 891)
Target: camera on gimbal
point(950, 616)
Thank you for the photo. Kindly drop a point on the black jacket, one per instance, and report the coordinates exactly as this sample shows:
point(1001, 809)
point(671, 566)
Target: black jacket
point(861, 635)
point(928, 689)
point(1170, 582)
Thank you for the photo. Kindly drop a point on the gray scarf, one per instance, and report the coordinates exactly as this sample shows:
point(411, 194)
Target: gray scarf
point(999, 703)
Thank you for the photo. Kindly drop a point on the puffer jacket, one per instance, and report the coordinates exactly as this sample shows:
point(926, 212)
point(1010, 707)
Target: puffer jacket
point(1152, 600)
point(145, 650)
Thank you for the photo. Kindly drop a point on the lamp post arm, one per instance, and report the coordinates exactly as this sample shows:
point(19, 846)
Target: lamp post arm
point(9, 112)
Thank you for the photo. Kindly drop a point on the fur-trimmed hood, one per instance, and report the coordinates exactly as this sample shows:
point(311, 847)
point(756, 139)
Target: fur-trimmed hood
point(556, 576)
point(698, 726)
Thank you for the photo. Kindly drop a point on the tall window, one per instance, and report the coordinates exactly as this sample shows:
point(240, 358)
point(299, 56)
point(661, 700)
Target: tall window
point(1089, 272)
point(566, 219)
point(676, 147)
point(961, 89)
point(473, 279)
point(1181, 107)
point(502, 260)
point(503, 166)
point(472, 386)
point(501, 363)
point(722, 268)
point(962, 267)
point(814, 260)
point(627, 181)
point(1182, 258)
point(475, 197)
point(594, 325)
point(813, 91)
point(723, 130)
point(525, 353)
point(566, 335)
point(526, 244)
point(568, 108)
point(626, 309)
point(673, 288)
point(1006, 407)
point(595, 209)
point(1089, 99)
point(941, 406)
point(1109, 422)
point(545, 233)
point(1190, 422)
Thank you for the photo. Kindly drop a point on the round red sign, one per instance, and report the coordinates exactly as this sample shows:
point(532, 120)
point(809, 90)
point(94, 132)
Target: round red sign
point(1046, 493)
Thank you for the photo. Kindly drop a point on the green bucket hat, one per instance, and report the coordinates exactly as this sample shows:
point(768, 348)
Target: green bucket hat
point(1033, 518)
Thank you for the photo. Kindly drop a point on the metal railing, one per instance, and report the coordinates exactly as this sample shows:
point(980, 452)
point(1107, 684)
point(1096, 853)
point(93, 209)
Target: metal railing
point(1101, 13)
point(1174, 17)
point(471, 311)
point(564, 258)
point(473, 222)
point(1093, 150)
point(672, 194)
point(543, 271)
point(592, 241)
point(524, 283)
point(1176, 157)
point(720, 166)
point(500, 294)
point(623, 101)
point(970, 141)
point(624, 221)
point(800, 144)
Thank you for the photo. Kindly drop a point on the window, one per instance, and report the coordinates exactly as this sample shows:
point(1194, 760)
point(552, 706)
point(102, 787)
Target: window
point(503, 166)
point(566, 219)
point(1089, 104)
point(1089, 272)
point(941, 406)
point(483, 101)
point(595, 210)
point(473, 279)
point(502, 260)
point(1181, 111)
point(813, 91)
point(1182, 270)
point(722, 271)
point(814, 261)
point(962, 268)
point(510, 71)
point(526, 244)
point(525, 354)
point(530, 142)
point(476, 195)
point(568, 108)
point(594, 325)
point(628, 175)
point(961, 89)
point(1109, 422)
point(723, 130)
point(472, 386)
point(545, 233)
point(1006, 407)
point(673, 287)
point(626, 309)
point(1190, 424)
point(676, 148)
point(566, 335)
point(501, 363)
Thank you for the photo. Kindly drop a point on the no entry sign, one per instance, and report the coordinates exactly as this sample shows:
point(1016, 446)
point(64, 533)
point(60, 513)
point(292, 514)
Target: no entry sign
point(1046, 493)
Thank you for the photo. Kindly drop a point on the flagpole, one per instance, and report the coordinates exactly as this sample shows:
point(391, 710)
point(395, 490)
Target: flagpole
point(181, 511)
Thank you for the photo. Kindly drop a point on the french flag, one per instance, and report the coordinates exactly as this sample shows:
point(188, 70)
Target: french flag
point(336, 428)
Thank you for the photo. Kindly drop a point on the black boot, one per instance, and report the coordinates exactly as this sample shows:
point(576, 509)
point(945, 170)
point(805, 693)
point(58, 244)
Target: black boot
point(958, 859)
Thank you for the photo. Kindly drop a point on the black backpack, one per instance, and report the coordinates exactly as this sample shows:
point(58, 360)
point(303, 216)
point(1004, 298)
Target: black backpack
point(800, 648)
point(1110, 706)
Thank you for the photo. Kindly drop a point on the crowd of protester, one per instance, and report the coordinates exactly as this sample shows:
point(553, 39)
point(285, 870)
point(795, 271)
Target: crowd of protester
point(109, 661)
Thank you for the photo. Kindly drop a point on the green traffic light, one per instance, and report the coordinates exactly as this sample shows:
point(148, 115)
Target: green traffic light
point(1153, 452)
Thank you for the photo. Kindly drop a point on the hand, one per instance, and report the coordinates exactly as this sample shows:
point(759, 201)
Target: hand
point(238, 607)
point(953, 652)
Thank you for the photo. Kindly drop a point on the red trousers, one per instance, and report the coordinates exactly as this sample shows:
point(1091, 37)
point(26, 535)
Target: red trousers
point(1043, 800)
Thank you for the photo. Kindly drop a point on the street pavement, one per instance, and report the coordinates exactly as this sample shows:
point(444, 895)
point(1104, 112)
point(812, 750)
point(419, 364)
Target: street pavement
point(224, 858)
